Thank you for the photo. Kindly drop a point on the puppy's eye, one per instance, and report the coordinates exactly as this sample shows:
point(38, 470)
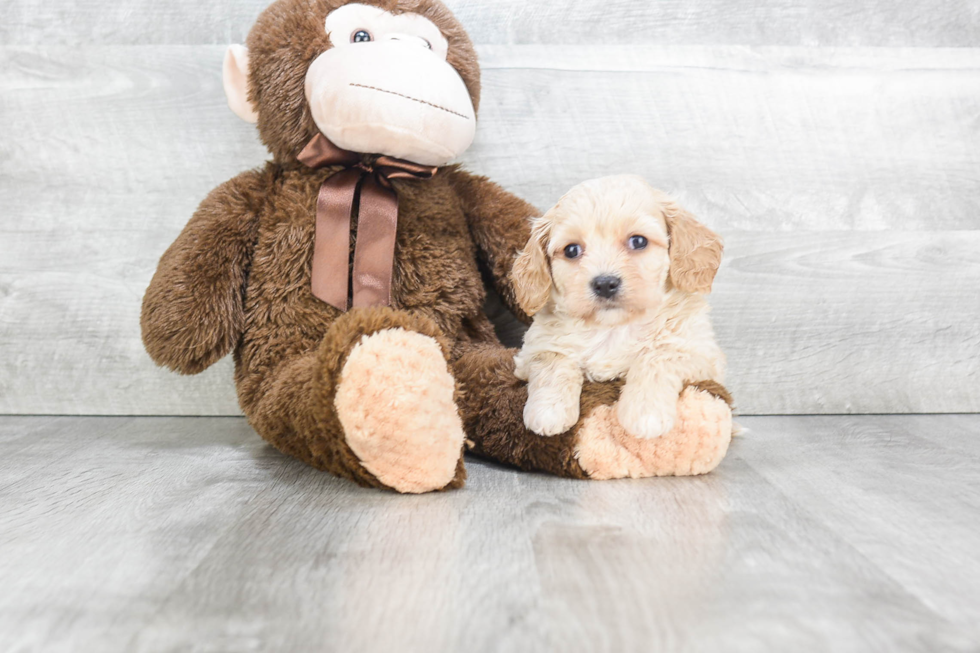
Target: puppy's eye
point(361, 36)
point(573, 251)
point(638, 242)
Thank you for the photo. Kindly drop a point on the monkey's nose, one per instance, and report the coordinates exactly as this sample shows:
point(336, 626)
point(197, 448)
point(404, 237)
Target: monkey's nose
point(606, 286)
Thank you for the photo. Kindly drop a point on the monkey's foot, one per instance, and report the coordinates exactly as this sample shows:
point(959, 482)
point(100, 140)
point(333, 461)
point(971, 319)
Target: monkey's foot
point(395, 400)
point(695, 445)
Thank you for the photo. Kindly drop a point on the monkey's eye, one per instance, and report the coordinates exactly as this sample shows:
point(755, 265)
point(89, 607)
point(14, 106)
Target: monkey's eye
point(361, 36)
point(573, 251)
point(638, 242)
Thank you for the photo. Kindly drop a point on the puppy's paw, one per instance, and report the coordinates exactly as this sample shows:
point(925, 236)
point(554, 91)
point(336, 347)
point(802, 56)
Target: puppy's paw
point(550, 415)
point(645, 421)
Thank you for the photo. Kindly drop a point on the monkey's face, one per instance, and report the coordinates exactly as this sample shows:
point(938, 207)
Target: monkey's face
point(385, 87)
point(373, 81)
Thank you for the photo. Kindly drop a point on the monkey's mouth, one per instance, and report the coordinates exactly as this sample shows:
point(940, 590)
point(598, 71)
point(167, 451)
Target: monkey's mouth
point(409, 97)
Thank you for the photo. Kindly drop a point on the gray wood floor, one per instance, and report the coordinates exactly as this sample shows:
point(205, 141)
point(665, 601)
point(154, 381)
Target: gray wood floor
point(165, 534)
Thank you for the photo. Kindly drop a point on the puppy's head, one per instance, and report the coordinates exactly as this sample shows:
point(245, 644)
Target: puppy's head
point(611, 249)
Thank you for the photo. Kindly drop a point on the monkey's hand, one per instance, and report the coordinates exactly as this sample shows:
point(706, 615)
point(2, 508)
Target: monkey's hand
point(193, 309)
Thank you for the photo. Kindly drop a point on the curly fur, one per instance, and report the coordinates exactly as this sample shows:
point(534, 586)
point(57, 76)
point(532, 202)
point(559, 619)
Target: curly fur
point(654, 332)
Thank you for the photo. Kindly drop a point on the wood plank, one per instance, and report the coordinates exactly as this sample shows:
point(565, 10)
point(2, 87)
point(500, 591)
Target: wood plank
point(772, 138)
point(22, 428)
point(849, 322)
point(892, 489)
point(106, 515)
point(752, 138)
point(954, 432)
point(847, 182)
point(855, 322)
point(763, 22)
point(821, 533)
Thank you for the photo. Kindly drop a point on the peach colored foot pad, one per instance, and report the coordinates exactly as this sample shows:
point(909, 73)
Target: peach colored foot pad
point(395, 402)
point(697, 443)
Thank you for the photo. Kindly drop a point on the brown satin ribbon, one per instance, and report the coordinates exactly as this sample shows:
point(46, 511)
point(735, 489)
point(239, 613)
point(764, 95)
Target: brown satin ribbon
point(367, 185)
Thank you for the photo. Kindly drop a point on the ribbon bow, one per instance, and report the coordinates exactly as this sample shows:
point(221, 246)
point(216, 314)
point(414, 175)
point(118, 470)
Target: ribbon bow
point(367, 187)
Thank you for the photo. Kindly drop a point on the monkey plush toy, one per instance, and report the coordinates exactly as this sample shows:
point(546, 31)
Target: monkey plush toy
point(346, 274)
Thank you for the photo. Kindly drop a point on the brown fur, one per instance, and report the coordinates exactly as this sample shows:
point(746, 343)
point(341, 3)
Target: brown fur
point(238, 276)
point(715, 389)
point(289, 35)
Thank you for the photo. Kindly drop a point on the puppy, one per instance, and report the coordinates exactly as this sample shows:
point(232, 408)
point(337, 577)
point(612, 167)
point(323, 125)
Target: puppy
point(615, 276)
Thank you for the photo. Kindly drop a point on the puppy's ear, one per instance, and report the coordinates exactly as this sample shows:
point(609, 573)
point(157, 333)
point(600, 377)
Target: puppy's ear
point(531, 274)
point(695, 251)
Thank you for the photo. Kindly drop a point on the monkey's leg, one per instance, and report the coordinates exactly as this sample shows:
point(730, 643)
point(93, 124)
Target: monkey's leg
point(597, 446)
point(375, 403)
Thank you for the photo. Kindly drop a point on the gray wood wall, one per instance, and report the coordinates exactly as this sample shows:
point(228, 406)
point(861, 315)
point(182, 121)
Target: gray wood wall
point(835, 144)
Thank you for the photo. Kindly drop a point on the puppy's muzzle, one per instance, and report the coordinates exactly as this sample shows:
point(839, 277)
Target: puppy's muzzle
point(606, 286)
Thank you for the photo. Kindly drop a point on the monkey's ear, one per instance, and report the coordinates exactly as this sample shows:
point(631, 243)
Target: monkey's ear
point(235, 80)
point(695, 251)
point(531, 274)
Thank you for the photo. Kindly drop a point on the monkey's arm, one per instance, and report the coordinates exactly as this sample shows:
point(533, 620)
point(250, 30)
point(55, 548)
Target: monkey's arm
point(499, 224)
point(192, 312)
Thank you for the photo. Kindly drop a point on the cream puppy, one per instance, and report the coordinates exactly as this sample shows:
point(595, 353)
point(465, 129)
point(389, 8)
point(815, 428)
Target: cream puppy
point(615, 276)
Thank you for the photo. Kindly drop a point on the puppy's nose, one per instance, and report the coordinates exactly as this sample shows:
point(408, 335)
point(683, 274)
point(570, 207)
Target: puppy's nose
point(606, 286)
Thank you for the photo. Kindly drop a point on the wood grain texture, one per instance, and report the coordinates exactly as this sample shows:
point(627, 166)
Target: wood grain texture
point(847, 182)
point(933, 516)
point(791, 311)
point(772, 138)
point(751, 138)
point(163, 534)
point(760, 22)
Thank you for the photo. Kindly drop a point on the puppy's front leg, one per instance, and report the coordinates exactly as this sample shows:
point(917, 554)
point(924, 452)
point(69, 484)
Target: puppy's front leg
point(648, 403)
point(554, 390)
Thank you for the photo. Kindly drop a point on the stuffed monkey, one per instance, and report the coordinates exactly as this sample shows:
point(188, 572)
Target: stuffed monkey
point(345, 275)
